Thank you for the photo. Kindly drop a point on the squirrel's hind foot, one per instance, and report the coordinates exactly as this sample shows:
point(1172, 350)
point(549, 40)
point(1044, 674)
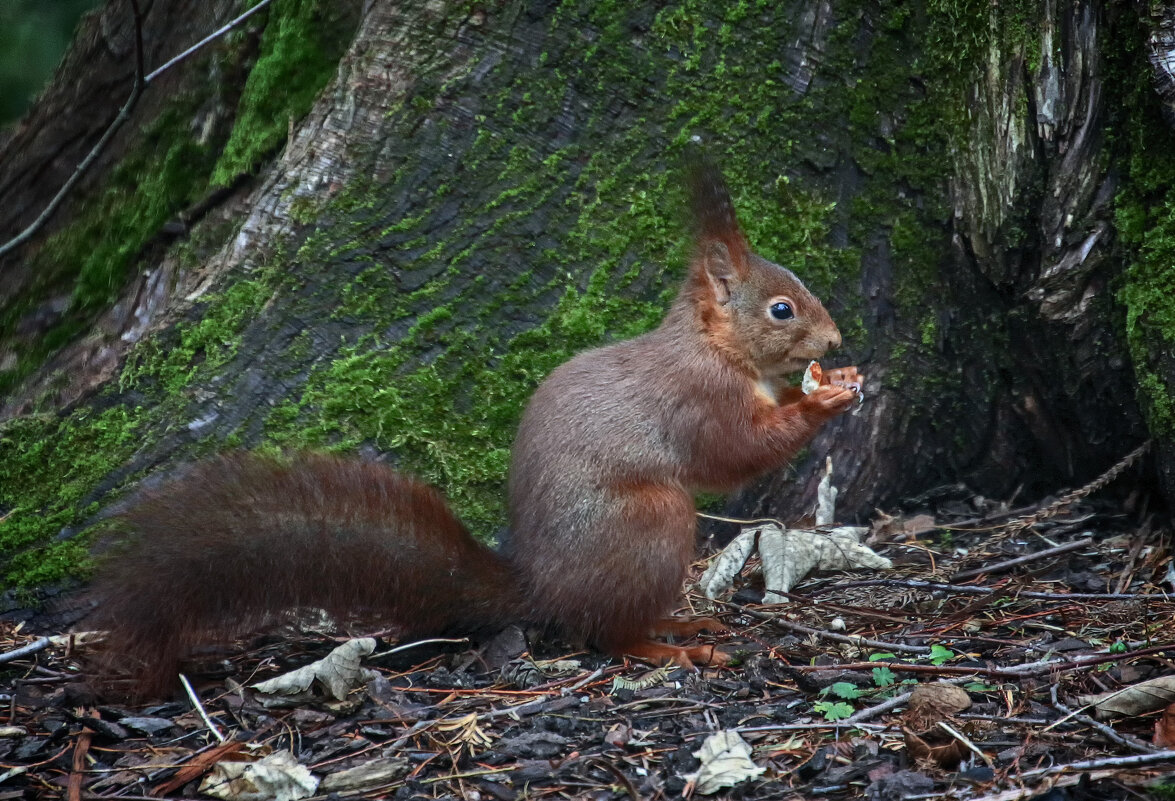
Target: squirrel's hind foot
point(660, 653)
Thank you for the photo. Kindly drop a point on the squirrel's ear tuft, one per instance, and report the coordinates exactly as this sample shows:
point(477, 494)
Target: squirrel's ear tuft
point(719, 268)
point(712, 217)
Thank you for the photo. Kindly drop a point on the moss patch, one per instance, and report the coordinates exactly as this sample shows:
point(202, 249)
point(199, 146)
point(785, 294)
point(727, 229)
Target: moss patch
point(49, 469)
point(300, 50)
point(171, 166)
point(96, 253)
point(1145, 220)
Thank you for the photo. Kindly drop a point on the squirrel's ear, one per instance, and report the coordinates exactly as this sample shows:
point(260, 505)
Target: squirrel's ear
point(719, 268)
point(720, 246)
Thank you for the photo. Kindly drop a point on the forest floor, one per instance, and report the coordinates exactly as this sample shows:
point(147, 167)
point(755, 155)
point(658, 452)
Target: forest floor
point(959, 673)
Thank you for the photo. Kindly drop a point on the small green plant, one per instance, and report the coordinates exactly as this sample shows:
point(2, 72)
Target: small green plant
point(837, 710)
point(940, 655)
point(833, 710)
point(1118, 647)
point(843, 689)
point(883, 677)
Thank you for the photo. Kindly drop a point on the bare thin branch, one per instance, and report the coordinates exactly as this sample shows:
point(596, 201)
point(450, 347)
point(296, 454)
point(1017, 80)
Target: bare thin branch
point(124, 114)
point(212, 37)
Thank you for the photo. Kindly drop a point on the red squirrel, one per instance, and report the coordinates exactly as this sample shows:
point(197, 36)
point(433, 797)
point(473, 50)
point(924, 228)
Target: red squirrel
point(611, 449)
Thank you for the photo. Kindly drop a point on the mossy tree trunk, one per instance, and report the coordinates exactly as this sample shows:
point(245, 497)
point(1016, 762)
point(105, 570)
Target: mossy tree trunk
point(470, 193)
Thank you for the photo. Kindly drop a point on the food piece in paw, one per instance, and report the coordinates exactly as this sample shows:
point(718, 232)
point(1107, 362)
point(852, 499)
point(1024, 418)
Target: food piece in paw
point(813, 377)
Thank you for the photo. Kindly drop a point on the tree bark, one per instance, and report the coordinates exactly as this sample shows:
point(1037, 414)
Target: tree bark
point(1033, 388)
point(479, 192)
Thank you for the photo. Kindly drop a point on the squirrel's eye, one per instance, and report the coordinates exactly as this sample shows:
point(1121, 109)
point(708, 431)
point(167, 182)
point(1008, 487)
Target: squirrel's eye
point(781, 311)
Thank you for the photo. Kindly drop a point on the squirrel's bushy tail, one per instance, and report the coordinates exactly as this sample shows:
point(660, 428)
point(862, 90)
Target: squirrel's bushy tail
point(238, 540)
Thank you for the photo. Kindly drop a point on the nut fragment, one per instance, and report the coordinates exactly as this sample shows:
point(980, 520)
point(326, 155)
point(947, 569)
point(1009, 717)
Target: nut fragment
point(812, 378)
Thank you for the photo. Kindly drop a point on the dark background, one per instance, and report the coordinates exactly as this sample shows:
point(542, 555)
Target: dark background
point(33, 35)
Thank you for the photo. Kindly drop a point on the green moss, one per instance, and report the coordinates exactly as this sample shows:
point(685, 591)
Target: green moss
point(96, 253)
point(55, 473)
point(300, 50)
point(48, 473)
point(1145, 220)
point(169, 169)
point(202, 345)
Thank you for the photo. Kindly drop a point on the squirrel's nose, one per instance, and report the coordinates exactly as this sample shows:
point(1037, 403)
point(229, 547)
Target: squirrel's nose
point(834, 340)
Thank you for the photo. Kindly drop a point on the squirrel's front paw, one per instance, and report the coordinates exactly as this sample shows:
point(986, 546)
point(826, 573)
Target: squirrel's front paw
point(830, 400)
point(844, 377)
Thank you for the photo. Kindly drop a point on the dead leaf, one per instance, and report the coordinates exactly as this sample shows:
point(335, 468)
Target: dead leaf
point(338, 673)
point(278, 776)
point(789, 555)
point(726, 761)
point(945, 755)
point(1137, 699)
point(887, 528)
point(361, 777)
point(719, 576)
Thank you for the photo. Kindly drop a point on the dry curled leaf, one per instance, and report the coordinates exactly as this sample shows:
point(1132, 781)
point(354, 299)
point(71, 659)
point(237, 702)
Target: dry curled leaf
point(889, 528)
point(338, 673)
point(945, 755)
point(1137, 699)
point(278, 776)
point(719, 576)
point(726, 761)
point(789, 555)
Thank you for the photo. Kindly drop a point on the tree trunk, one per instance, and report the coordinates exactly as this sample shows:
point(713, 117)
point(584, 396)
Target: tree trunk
point(478, 192)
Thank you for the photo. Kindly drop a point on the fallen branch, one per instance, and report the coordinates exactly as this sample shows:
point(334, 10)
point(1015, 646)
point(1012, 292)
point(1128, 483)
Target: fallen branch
point(1105, 762)
point(997, 567)
point(932, 586)
point(1133, 743)
point(1015, 672)
point(31, 648)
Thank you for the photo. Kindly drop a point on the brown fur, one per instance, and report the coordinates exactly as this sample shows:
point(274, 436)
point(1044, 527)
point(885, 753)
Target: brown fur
point(242, 538)
point(609, 453)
